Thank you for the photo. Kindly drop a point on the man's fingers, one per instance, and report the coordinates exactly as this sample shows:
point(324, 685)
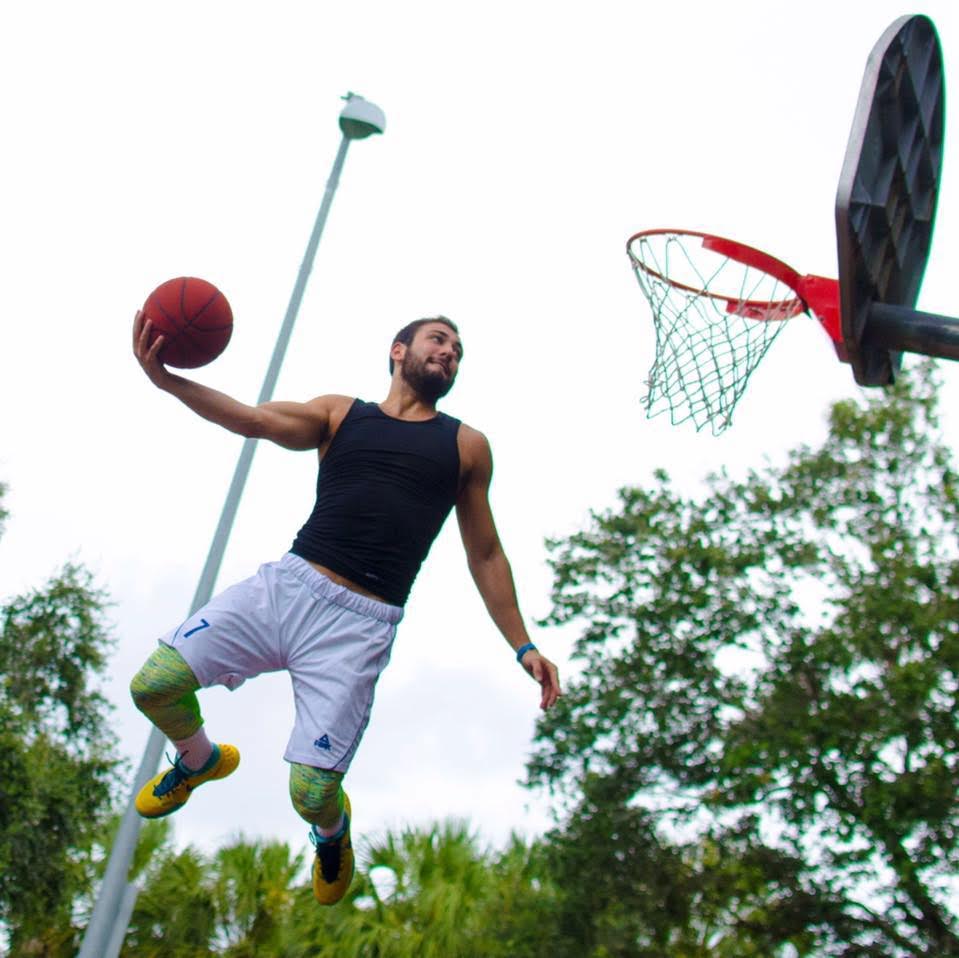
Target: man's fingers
point(546, 674)
point(147, 345)
point(138, 320)
point(141, 334)
point(552, 692)
point(155, 347)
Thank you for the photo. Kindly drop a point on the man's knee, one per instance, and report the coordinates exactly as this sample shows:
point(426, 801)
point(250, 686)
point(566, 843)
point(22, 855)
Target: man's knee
point(316, 793)
point(165, 680)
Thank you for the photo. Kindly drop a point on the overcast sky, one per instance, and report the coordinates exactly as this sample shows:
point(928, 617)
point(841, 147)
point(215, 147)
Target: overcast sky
point(525, 143)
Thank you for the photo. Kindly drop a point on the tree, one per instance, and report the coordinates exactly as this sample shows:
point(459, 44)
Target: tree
point(254, 894)
point(416, 893)
point(174, 915)
point(434, 907)
point(57, 756)
point(767, 706)
point(237, 902)
point(433, 892)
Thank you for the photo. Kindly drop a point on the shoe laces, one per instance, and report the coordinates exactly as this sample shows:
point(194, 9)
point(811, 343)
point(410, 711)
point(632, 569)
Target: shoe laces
point(173, 779)
point(328, 851)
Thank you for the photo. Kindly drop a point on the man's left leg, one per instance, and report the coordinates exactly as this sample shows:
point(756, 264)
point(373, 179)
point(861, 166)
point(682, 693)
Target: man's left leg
point(165, 691)
point(318, 797)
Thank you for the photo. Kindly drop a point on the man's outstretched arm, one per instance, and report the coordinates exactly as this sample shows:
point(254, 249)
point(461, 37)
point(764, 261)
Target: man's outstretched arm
point(289, 424)
point(488, 563)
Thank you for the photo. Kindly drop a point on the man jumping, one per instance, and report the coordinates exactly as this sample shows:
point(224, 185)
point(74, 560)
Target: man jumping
point(327, 611)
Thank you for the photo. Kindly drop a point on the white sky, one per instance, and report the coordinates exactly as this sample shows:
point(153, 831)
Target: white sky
point(525, 143)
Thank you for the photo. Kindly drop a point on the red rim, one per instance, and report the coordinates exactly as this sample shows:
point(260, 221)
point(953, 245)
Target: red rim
point(741, 253)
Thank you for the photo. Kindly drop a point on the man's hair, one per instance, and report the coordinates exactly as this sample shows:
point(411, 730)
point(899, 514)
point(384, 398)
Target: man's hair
point(406, 334)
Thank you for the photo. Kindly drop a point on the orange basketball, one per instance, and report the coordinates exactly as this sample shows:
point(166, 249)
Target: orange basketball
point(194, 318)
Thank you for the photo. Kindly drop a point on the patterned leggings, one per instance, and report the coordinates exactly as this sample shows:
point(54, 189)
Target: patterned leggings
point(164, 690)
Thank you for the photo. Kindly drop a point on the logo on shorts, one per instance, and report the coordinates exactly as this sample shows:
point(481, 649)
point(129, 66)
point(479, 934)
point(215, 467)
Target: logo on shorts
point(323, 742)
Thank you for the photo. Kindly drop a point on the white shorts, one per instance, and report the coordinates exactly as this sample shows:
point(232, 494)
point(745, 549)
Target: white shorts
point(333, 642)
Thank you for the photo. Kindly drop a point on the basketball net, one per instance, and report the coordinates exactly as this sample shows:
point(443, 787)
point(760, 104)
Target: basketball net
point(715, 316)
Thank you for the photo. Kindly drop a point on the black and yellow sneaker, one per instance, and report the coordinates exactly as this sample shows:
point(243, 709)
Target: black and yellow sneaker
point(333, 865)
point(170, 790)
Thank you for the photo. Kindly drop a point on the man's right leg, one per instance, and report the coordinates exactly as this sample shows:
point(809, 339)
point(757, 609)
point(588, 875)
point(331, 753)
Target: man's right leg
point(334, 656)
point(318, 797)
point(165, 691)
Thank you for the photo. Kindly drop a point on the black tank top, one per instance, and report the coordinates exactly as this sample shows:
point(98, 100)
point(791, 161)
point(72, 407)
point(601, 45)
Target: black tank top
point(384, 491)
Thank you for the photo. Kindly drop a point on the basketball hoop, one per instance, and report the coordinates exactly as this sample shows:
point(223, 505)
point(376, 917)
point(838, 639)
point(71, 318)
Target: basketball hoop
point(718, 305)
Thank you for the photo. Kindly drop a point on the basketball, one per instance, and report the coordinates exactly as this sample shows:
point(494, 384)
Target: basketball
point(194, 318)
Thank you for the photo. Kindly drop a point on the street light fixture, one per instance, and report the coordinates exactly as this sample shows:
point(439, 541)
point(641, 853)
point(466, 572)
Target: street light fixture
point(360, 118)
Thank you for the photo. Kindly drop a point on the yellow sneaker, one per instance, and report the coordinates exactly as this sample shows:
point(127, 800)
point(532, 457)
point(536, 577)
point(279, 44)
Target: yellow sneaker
point(333, 865)
point(170, 790)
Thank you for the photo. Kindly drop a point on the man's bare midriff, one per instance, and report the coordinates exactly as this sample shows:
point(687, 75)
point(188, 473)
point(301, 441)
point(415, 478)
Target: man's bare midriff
point(346, 583)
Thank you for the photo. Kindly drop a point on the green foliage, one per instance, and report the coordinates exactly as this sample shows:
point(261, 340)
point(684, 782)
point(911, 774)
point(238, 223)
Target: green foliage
point(253, 895)
point(237, 903)
point(417, 893)
point(57, 756)
point(764, 724)
point(434, 894)
point(174, 916)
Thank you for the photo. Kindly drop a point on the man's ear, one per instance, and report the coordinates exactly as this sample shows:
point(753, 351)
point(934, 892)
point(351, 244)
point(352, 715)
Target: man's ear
point(398, 352)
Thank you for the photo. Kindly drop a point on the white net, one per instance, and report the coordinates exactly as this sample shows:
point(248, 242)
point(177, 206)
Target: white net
point(715, 318)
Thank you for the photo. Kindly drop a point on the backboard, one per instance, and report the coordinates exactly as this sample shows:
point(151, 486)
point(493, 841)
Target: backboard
point(886, 200)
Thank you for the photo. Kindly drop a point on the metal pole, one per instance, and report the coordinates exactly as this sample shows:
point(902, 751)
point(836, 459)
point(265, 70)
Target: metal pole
point(909, 330)
point(122, 922)
point(117, 896)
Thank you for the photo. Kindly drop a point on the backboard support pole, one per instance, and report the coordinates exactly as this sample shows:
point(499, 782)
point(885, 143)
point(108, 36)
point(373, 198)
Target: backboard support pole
point(902, 329)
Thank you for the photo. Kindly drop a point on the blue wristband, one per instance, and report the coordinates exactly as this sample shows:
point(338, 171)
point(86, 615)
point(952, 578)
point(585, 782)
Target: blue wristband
point(523, 649)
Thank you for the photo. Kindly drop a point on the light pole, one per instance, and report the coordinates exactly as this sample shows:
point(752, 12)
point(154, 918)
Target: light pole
point(111, 914)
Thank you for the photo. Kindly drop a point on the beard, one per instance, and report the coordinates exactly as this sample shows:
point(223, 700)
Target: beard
point(428, 383)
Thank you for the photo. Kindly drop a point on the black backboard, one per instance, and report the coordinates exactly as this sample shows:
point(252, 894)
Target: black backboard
point(886, 201)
